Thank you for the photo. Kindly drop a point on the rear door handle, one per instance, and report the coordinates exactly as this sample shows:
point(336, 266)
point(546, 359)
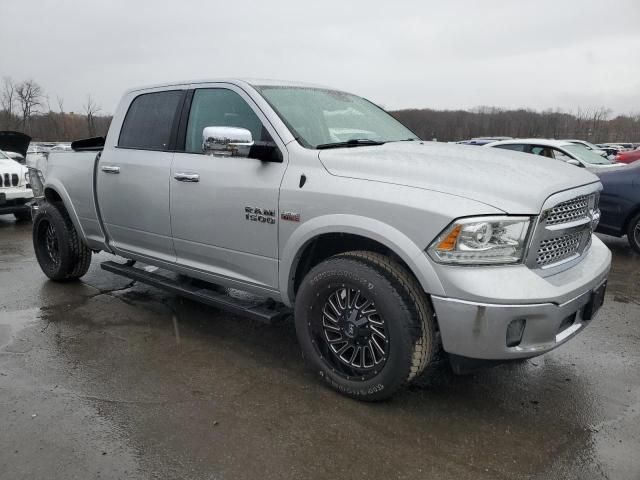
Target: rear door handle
point(186, 177)
point(110, 169)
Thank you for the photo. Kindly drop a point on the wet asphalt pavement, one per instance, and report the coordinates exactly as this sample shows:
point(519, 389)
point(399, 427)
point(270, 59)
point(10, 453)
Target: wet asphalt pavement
point(97, 380)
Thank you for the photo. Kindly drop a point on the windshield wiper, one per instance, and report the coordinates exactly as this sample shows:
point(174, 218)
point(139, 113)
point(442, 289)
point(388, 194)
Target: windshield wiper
point(412, 139)
point(354, 142)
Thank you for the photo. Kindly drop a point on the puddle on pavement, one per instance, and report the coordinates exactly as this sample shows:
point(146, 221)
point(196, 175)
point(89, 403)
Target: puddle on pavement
point(11, 323)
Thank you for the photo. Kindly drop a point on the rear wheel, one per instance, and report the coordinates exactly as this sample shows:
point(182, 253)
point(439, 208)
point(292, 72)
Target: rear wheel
point(633, 233)
point(59, 250)
point(364, 324)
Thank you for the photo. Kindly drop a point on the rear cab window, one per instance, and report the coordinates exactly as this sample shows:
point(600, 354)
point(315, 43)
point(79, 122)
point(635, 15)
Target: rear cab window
point(149, 121)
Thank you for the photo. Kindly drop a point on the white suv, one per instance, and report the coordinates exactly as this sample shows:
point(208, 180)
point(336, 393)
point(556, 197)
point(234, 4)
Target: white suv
point(15, 191)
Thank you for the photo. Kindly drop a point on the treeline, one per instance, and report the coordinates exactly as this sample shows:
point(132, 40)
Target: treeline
point(595, 125)
point(25, 107)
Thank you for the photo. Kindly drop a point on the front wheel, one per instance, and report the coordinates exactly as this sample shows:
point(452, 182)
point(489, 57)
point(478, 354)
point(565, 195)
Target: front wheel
point(59, 249)
point(364, 324)
point(633, 233)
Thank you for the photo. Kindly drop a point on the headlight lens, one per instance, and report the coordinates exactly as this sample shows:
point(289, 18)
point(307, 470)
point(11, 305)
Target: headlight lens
point(481, 241)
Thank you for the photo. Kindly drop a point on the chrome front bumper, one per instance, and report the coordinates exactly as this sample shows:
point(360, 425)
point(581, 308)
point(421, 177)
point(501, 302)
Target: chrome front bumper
point(476, 326)
point(479, 330)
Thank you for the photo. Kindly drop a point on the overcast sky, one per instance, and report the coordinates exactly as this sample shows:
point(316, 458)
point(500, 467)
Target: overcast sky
point(439, 54)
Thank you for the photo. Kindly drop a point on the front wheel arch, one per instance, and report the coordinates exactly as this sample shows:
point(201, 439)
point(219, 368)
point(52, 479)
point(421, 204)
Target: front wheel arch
point(376, 236)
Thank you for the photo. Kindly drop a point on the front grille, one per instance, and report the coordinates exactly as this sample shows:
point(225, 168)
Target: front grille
point(564, 230)
point(9, 180)
point(565, 212)
point(554, 250)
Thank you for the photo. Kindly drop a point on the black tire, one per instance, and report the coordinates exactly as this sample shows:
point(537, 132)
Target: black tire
point(22, 216)
point(633, 233)
point(60, 252)
point(401, 311)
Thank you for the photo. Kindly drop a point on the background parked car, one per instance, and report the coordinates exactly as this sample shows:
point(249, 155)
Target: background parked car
point(482, 140)
point(589, 146)
point(15, 191)
point(611, 150)
point(628, 157)
point(620, 203)
point(563, 150)
point(620, 147)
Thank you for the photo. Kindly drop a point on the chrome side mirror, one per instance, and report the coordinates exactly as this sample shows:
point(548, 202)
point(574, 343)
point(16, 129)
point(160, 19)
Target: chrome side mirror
point(226, 141)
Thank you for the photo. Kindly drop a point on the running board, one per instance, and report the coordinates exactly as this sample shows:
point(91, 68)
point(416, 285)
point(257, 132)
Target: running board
point(263, 310)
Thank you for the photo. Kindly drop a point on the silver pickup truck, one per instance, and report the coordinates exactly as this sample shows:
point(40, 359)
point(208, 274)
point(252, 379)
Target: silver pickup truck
point(386, 249)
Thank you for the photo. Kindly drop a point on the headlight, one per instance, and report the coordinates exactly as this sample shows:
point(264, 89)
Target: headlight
point(481, 241)
point(37, 182)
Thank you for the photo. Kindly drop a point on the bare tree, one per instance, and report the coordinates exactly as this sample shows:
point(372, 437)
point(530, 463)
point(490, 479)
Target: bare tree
point(91, 108)
point(8, 100)
point(30, 97)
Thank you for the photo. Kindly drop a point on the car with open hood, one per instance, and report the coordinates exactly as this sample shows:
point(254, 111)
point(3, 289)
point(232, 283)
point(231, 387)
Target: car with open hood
point(15, 189)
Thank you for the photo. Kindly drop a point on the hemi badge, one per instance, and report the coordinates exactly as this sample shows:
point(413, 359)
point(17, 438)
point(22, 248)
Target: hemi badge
point(290, 216)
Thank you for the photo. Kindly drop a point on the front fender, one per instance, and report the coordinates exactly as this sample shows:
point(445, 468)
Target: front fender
point(367, 227)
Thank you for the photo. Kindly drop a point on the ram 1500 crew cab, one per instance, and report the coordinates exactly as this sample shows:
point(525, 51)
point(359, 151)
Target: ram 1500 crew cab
point(386, 248)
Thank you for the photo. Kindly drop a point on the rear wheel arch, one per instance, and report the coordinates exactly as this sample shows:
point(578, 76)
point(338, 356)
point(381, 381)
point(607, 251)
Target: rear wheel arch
point(58, 196)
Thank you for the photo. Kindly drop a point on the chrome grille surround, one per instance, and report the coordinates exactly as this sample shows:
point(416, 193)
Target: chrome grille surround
point(569, 211)
point(563, 230)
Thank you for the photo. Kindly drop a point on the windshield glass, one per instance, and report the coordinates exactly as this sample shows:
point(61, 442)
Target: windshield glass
point(590, 145)
point(318, 117)
point(586, 155)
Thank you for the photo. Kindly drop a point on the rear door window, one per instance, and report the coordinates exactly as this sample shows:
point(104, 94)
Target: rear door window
point(542, 151)
point(149, 121)
point(517, 147)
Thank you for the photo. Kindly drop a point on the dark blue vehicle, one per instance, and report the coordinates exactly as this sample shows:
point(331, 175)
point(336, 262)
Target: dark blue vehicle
point(620, 203)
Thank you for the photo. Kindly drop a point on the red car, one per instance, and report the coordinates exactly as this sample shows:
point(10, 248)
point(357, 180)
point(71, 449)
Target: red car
point(628, 157)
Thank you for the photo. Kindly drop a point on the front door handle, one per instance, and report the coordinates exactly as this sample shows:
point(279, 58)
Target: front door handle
point(187, 177)
point(110, 169)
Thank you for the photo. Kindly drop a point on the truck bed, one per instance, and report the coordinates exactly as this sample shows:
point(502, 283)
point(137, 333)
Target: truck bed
point(72, 175)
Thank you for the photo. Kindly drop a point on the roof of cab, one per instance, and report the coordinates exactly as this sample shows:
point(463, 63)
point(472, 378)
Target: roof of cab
point(254, 82)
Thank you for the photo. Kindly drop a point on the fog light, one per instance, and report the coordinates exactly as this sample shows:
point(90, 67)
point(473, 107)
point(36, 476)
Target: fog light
point(515, 331)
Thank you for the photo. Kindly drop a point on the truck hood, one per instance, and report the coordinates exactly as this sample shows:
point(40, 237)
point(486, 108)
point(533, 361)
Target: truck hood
point(516, 183)
point(15, 142)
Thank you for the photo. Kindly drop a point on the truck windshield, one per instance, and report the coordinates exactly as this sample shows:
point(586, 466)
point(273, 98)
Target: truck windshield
point(321, 118)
